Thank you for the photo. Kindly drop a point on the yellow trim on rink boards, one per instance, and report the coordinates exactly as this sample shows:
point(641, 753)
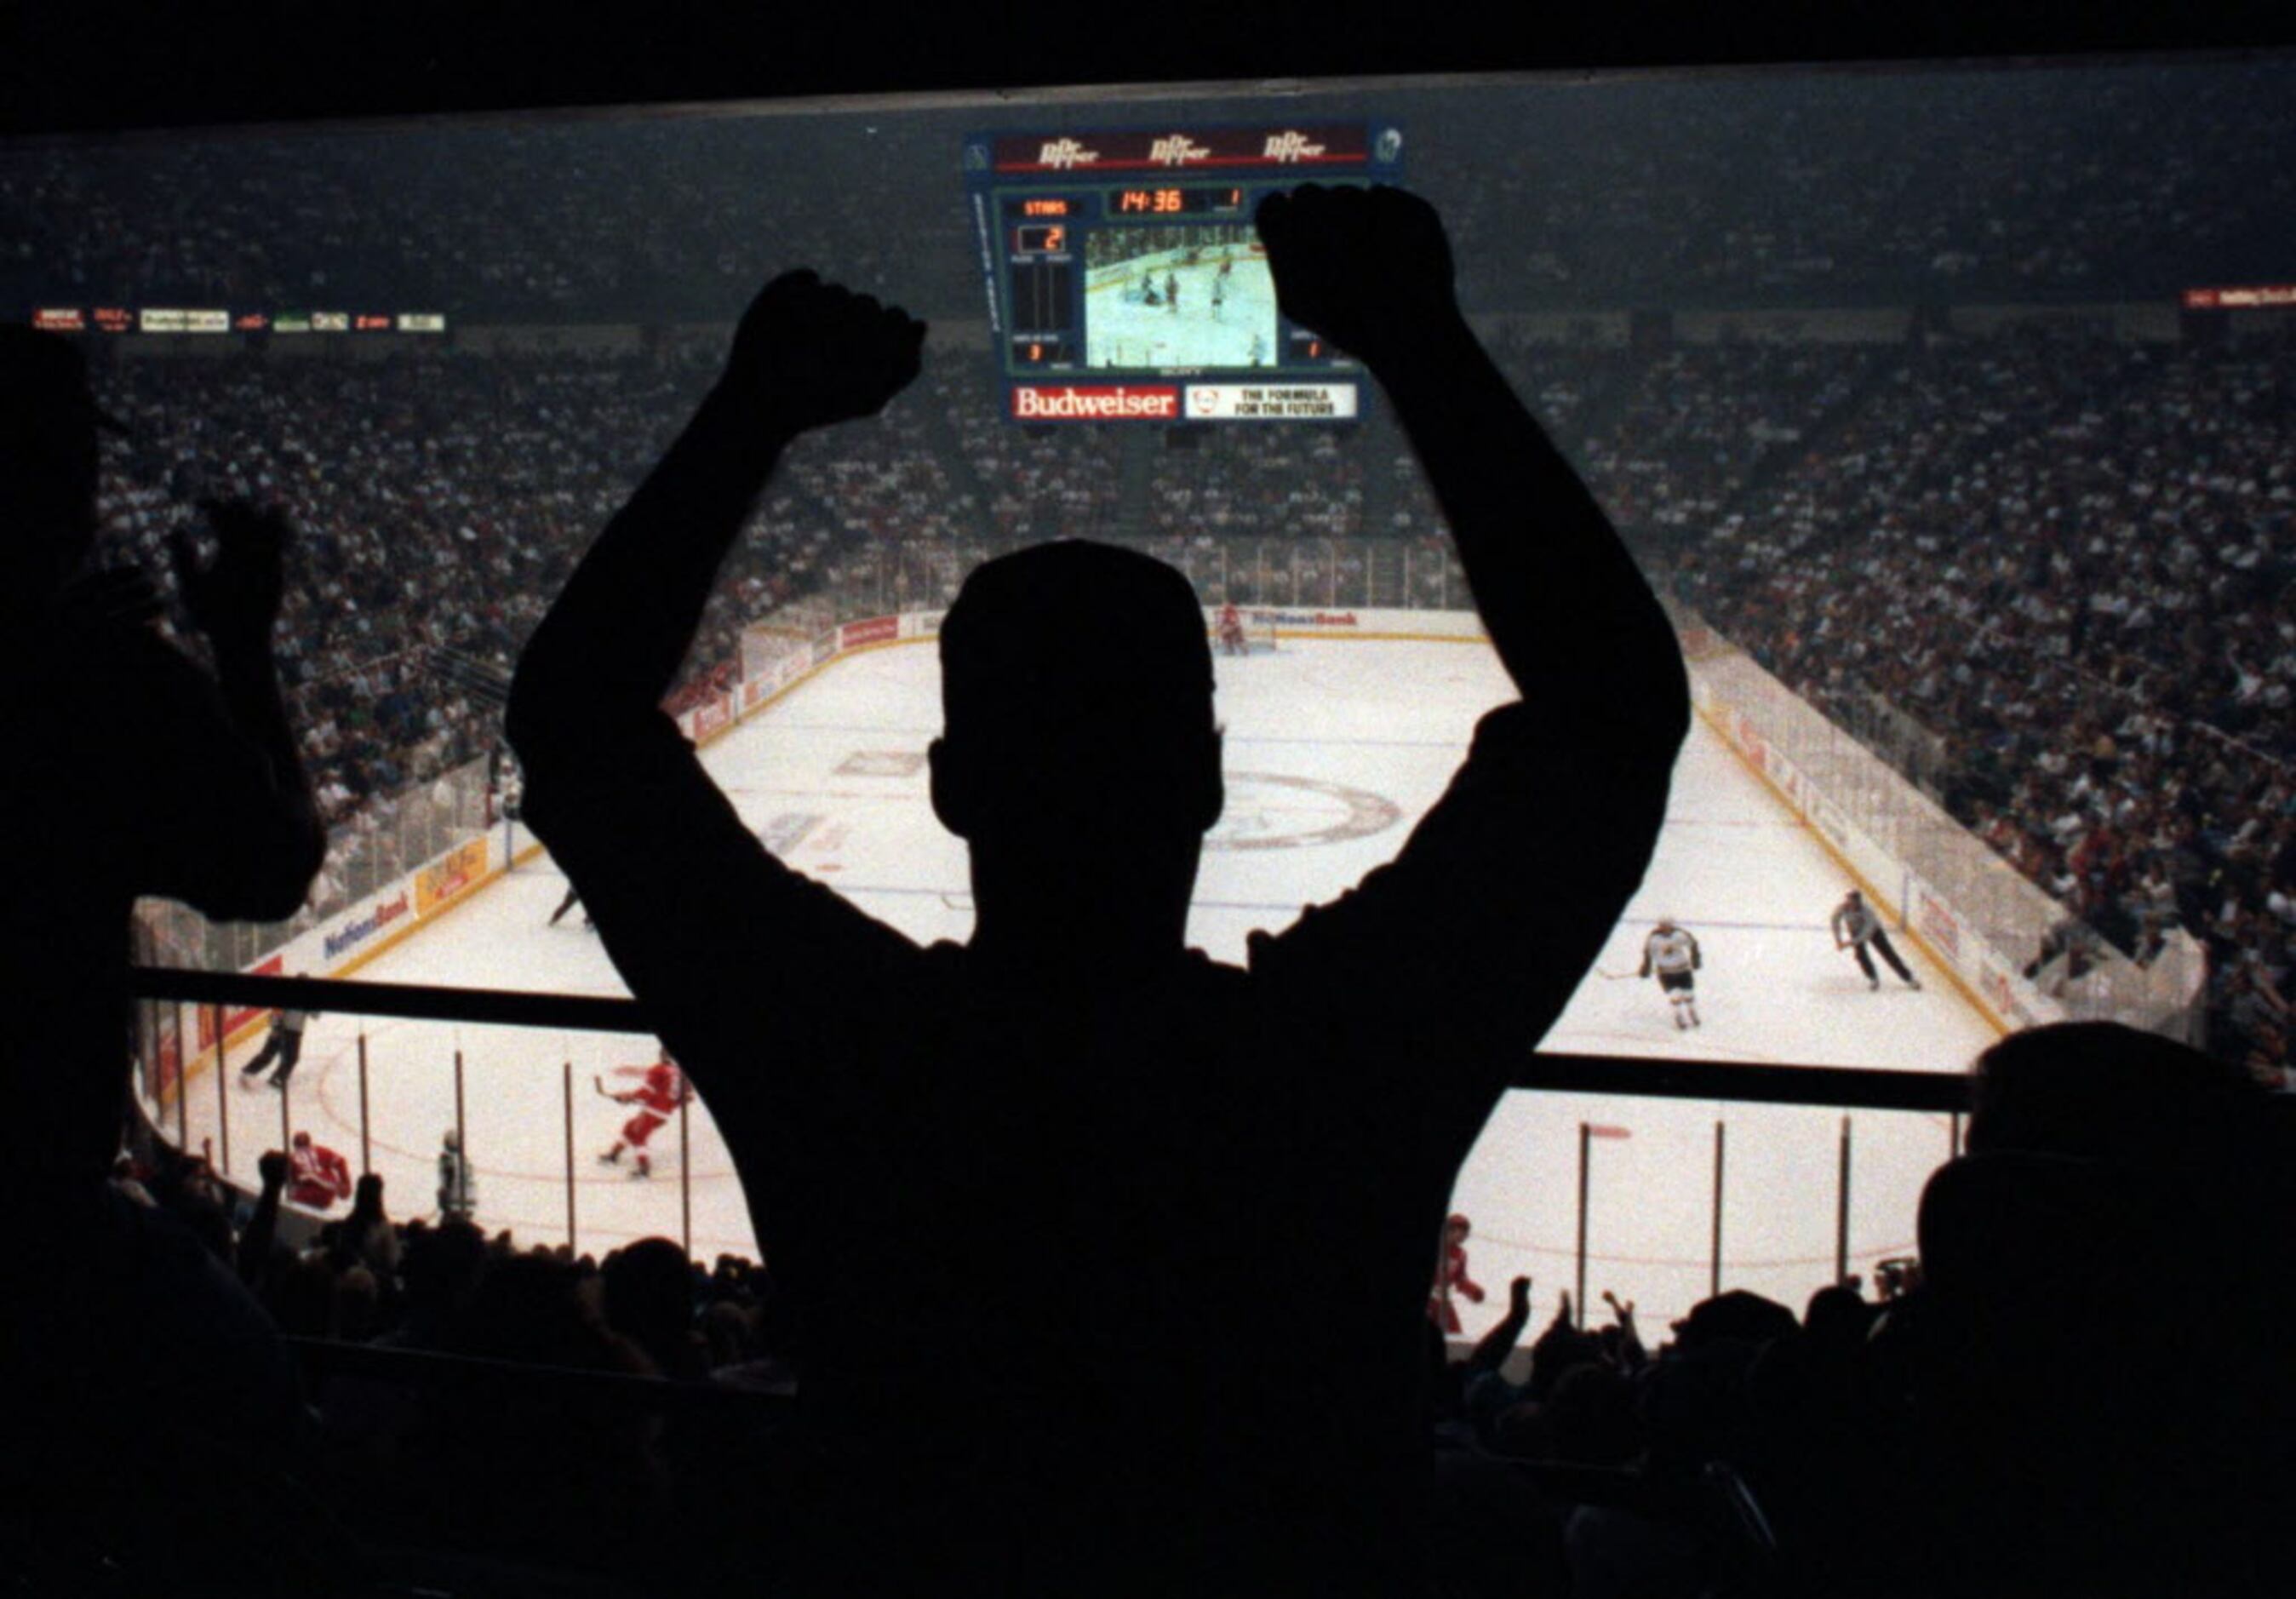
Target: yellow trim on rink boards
point(1892, 912)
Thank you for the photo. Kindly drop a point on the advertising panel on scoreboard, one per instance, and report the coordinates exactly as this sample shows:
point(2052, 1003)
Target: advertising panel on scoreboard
point(1126, 282)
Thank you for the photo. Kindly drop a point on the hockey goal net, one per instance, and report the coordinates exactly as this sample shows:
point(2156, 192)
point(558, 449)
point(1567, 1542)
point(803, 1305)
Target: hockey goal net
point(1256, 633)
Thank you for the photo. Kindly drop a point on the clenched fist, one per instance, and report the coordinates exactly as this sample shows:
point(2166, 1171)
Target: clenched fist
point(1369, 269)
point(809, 354)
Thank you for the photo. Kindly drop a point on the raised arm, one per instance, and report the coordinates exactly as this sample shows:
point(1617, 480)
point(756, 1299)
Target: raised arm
point(1491, 1351)
point(807, 354)
point(1565, 607)
point(677, 883)
point(235, 831)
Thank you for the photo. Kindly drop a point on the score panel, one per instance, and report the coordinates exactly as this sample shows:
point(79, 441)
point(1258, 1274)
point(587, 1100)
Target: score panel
point(1126, 282)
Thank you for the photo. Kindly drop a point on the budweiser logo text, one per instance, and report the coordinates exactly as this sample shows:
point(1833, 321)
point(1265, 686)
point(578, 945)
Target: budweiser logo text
point(1094, 404)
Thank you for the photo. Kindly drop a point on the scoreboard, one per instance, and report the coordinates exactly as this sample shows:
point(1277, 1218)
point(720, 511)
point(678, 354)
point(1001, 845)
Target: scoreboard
point(1125, 279)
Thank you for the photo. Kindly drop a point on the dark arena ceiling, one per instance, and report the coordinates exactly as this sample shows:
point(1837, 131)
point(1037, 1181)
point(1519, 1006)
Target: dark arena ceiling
point(98, 65)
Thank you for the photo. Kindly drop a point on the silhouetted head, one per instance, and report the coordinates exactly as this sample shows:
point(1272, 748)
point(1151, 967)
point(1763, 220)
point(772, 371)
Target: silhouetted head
point(649, 1295)
point(2101, 1091)
point(48, 424)
point(1079, 758)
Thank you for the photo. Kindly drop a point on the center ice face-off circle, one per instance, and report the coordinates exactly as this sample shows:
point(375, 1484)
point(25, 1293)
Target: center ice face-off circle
point(1268, 812)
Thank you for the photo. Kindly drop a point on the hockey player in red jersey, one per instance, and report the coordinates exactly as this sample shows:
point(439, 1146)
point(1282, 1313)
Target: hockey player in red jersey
point(1451, 1275)
point(1232, 640)
point(658, 1099)
point(317, 1176)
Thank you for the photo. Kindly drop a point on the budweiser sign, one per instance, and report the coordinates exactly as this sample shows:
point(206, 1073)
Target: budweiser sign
point(1096, 402)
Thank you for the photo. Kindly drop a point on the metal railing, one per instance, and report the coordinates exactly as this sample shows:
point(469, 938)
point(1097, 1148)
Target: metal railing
point(1756, 1082)
point(546, 1188)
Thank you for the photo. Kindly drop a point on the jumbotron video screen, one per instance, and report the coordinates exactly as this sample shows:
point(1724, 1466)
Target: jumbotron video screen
point(1125, 280)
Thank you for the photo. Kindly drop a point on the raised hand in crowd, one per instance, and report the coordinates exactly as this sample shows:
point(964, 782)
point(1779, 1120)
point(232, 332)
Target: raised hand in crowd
point(233, 596)
point(809, 354)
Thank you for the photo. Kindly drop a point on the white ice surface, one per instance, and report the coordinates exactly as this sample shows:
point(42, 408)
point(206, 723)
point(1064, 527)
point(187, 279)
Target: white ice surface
point(1123, 332)
point(1325, 740)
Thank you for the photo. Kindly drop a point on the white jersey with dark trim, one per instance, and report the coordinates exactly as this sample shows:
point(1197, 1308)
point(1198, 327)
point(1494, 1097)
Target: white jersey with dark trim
point(1671, 950)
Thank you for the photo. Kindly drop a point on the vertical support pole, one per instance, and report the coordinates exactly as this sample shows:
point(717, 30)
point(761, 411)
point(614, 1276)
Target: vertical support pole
point(1953, 1137)
point(686, 1166)
point(221, 1064)
point(461, 1133)
point(1585, 1145)
point(1714, 1273)
point(144, 1057)
point(571, 1247)
point(1841, 1211)
point(222, 1091)
point(286, 1121)
point(183, 1086)
point(366, 1142)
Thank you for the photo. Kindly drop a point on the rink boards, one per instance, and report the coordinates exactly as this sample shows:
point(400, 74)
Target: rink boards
point(1334, 749)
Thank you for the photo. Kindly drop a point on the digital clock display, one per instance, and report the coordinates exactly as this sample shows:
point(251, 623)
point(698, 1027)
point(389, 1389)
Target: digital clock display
point(1173, 203)
point(1149, 203)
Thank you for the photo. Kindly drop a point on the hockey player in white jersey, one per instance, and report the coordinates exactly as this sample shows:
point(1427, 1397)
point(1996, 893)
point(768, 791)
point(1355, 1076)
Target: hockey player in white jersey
point(1671, 953)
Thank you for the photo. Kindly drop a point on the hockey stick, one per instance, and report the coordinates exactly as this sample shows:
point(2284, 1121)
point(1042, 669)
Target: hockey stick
point(1614, 975)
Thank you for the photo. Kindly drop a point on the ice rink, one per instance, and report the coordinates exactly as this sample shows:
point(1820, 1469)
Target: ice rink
point(1334, 749)
point(1240, 329)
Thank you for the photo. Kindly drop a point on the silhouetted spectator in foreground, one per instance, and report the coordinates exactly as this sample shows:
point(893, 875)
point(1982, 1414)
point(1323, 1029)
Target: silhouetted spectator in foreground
point(129, 772)
point(2098, 1383)
point(1055, 1206)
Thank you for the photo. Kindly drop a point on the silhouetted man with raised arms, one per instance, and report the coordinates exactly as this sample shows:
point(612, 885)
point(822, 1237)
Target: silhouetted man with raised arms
point(1110, 1262)
point(128, 772)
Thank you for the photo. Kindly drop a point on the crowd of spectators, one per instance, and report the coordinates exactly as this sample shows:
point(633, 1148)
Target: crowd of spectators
point(2070, 558)
point(2062, 558)
point(2078, 1381)
point(2021, 185)
point(2127, 181)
